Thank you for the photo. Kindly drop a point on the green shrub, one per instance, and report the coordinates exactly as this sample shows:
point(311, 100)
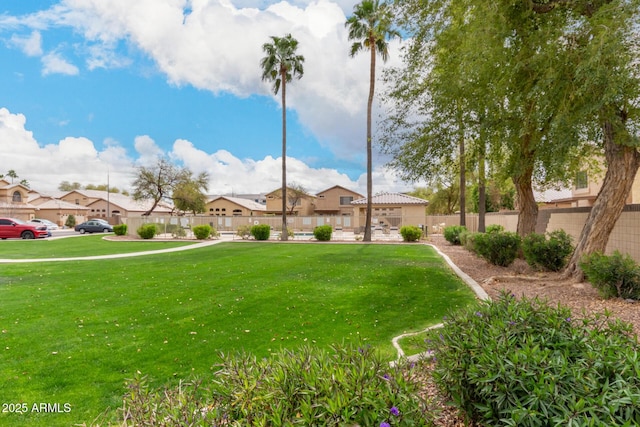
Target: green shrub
point(120, 229)
point(467, 240)
point(410, 233)
point(244, 231)
point(452, 233)
point(613, 276)
point(548, 254)
point(70, 222)
point(524, 363)
point(261, 231)
point(147, 231)
point(494, 228)
point(499, 248)
point(201, 232)
point(323, 232)
point(346, 386)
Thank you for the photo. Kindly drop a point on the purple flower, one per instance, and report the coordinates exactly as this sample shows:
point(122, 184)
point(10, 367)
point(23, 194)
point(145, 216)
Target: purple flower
point(394, 411)
point(386, 376)
point(385, 424)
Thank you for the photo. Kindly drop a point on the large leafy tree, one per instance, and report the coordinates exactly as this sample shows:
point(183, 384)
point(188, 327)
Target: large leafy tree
point(280, 65)
point(371, 26)
point(160, 182)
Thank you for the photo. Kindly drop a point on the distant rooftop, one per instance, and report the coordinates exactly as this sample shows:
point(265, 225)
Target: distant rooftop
point(391, 199)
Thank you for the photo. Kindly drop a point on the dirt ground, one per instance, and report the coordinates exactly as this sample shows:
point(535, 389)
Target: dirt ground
point(521, 280)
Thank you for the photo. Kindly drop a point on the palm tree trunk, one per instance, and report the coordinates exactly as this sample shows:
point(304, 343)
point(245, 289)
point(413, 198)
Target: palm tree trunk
point(284, 235)
point(367, 222)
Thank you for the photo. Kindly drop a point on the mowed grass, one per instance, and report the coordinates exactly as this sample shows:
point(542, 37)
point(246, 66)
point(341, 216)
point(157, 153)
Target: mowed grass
point(74, 332)
point(79, 246)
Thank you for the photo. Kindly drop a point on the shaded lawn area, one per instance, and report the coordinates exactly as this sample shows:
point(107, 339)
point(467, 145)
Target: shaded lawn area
point(79, 246)
point(74, 332)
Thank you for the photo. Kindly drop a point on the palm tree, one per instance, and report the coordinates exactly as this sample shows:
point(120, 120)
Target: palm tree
point(280, 65)
point(371, 26)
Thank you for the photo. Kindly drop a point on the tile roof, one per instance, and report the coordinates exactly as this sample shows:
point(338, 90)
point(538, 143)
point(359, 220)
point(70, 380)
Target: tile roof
point(246, 203)
point(391, 199)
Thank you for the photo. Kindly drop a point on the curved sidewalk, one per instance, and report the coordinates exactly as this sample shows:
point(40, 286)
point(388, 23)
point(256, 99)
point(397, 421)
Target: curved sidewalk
point(125, 255)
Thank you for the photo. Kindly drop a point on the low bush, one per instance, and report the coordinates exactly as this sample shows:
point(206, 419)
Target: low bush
point(494, 228)
point(244, 231)
point(120, 229)
point(323, 232)
point(452, 233)
point(147, 231)
point(346, 386)
point(261, 231)
point(70, 222)
point(499, 248)
point(201, 232)
point(613, 276)
point(549, 253)
point(410, 233)
point(524, 363)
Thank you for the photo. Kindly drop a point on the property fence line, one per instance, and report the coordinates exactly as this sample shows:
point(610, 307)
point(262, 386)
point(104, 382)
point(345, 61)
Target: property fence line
point(299, 224)
point(625, 236)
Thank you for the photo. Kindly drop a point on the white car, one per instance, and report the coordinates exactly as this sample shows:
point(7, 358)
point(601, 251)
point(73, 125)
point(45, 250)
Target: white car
point(50, 225)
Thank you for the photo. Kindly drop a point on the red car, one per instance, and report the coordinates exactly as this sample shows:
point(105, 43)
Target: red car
point(11, 228)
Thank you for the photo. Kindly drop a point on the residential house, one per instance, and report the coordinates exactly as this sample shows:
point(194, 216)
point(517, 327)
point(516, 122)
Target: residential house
point(298, 203)
point(390, 211)
point(112, 206)
point(234, 206)
point(56, 210)
point(14, 201)
point(336, 201)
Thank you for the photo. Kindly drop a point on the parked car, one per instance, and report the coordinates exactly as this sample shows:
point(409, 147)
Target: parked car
point(49, 224)
point(94, 226)
point(11, 228)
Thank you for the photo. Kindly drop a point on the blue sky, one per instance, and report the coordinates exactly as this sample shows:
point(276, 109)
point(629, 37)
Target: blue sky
point(90, 86)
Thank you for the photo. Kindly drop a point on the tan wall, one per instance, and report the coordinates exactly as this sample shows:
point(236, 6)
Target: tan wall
point(330, 200)
point(625, 236)
point(306, 207)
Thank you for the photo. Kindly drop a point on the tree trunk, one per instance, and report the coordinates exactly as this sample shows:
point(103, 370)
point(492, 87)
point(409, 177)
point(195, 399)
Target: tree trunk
point(482, 198)
point(284, 235)
point(367, 222)
point(463, 172)
point(622, 164)
point(528, 215)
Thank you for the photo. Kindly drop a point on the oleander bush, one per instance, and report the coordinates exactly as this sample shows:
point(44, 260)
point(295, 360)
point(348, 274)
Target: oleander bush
point(147, 231)
point(120, 229)
point(410, 233)
point(261, 231)
point(524, 363)
point(613, 276)
point(549, 252)
point(309, 386)
point(452, 233)
point(323, 232)
point(201, 232)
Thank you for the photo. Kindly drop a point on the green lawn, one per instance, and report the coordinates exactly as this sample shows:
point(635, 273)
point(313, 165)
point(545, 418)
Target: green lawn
point(73, 332)
point(78, 246)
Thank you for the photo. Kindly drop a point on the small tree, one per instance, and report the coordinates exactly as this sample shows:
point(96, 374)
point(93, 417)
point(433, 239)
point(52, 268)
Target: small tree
point(70, 222)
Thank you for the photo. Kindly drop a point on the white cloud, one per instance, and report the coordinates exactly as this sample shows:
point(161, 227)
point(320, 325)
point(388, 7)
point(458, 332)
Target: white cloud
point(78, 160)
point(54, 63)
point(31, 45)
point(216, 45)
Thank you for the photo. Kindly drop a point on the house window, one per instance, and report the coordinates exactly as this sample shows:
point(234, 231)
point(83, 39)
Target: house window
point(346, 200)
point(582, 180)
point(237, 212)
point(17, 197)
